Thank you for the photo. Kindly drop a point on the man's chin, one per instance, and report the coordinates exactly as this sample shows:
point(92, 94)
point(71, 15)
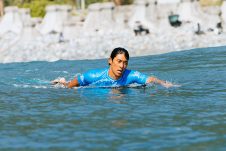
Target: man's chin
point(119, 74)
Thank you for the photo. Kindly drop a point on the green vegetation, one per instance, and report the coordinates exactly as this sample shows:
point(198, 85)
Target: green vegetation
point(211, 2)
point(37, 7)
point(124, 2)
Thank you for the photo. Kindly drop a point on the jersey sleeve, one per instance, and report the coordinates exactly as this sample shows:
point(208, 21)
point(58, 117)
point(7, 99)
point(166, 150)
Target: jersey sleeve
point(90, 77)
point(86, 78)
point(139, 77)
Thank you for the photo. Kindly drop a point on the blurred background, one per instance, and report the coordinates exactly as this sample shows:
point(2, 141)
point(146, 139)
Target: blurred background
point(49, 30)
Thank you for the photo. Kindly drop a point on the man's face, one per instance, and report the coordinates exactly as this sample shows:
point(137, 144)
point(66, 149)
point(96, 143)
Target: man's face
point(118, 66)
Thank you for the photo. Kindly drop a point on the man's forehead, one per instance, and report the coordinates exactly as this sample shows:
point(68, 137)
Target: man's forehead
point(121, 57)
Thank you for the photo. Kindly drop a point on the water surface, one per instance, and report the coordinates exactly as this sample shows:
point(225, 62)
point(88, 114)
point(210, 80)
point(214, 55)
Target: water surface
point(38, 116)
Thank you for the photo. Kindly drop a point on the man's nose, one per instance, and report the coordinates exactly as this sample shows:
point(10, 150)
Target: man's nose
point(122, 65)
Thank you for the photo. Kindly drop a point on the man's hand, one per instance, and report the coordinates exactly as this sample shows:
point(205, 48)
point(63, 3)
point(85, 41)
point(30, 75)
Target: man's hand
point(167, 84)
point(59, 81)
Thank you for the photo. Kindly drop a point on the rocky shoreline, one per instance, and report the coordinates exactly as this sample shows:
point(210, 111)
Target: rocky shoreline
point(97, 47)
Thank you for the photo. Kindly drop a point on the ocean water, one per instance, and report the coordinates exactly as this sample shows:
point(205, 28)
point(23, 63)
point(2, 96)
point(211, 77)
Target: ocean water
point(35, 115)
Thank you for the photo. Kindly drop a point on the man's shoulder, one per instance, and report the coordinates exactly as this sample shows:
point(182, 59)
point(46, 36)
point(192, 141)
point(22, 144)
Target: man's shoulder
point(134, 73)
point(96, 72)
point(131, 72)
point(136, 76)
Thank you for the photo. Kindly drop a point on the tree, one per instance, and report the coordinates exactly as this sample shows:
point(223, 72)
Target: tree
point(122, 2)
point(118, 2)
point(1, 7)
point(37, 7)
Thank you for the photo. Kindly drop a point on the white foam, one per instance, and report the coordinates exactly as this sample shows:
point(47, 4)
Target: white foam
point(30, 86)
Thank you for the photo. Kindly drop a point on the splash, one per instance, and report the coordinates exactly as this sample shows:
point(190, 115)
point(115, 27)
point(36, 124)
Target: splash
point(31, 83)
point(44, 84)
point(30, 86)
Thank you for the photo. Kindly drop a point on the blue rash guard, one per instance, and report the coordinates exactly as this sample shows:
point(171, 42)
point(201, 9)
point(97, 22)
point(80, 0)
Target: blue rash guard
point(100, 77)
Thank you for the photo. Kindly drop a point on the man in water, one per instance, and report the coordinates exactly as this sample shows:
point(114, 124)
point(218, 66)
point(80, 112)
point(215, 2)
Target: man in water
point(114, 76)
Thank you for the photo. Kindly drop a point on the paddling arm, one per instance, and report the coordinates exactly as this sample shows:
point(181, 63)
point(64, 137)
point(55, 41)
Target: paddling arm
point(158, 81)
point(70, 84)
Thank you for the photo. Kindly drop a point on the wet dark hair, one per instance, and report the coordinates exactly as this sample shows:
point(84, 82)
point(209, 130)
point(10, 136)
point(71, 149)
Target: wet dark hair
point(119, 50)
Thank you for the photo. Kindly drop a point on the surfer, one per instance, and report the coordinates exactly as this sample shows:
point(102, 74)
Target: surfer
point(116, 75)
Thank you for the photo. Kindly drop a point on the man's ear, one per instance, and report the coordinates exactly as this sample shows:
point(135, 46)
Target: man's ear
point(109, 61)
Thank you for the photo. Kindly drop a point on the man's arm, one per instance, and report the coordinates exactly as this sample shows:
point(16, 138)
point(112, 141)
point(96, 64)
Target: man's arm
point(158, 81)
point(70, 84)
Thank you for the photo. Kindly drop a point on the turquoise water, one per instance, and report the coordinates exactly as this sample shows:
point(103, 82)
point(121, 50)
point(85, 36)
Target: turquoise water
point(38, 116)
